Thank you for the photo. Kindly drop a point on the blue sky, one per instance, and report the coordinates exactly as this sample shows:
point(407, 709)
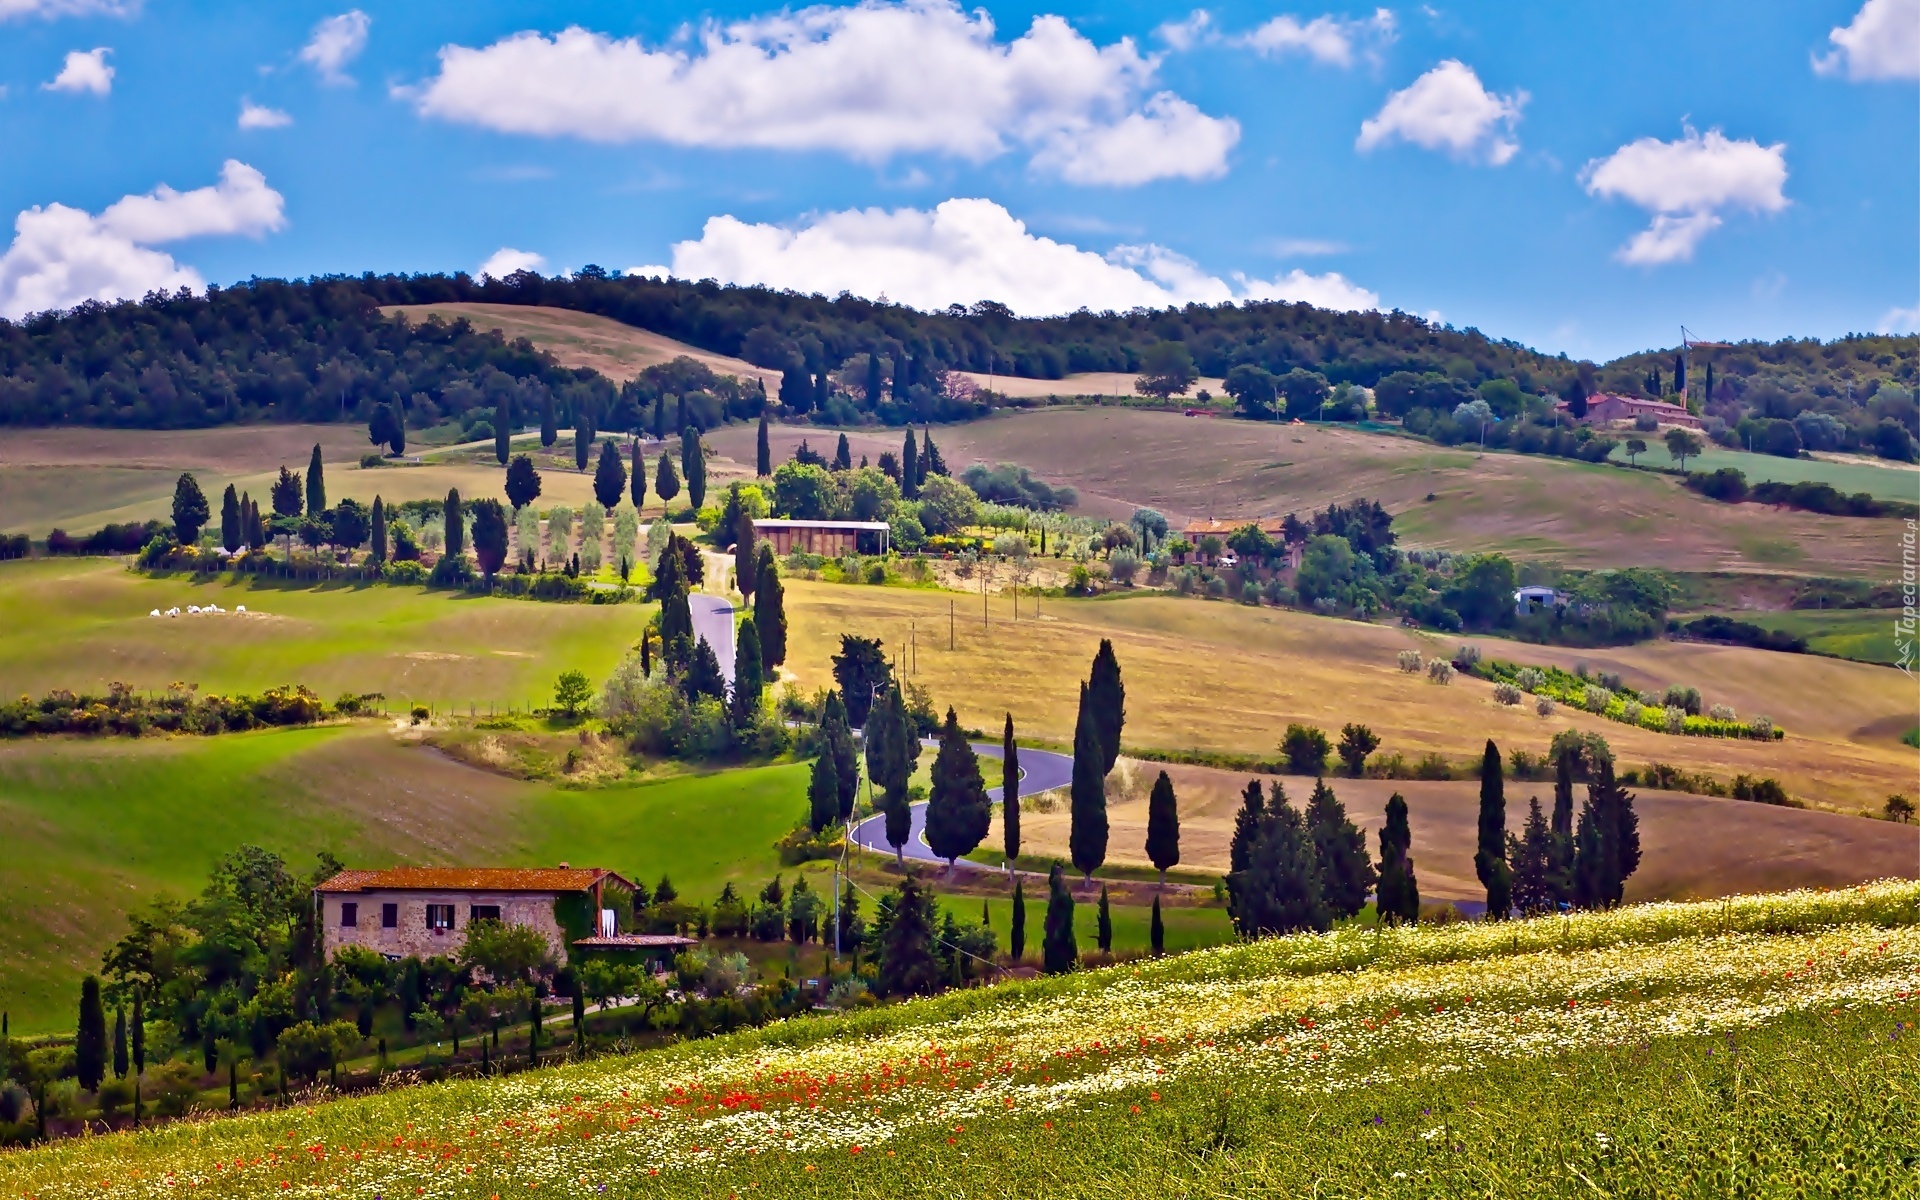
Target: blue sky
point(1580, 177)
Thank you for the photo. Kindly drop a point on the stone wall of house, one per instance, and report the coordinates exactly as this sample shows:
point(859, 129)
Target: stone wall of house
point(411, 937)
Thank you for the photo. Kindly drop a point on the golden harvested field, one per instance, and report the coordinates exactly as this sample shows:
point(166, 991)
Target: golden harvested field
point(1215, 676)
point(579, 339)
point(1086, 383)
point(1694, 847)
point(1572, 513)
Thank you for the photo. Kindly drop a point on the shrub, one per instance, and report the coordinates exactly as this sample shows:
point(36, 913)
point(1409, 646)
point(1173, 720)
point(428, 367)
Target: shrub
point(405, 572)
point(1596, 699)
point(1440, 671)
point(1530, 679)
point(1722, 712)
point(1761, 728)
point(1216, 587)
point(1432, 766)
point(1543, 706)
point(419, 713)
point(1898, 808)
point(1630, 712)
point(1761, 791)
point(1410, 662)
point(1123, 566)
point(1305, 747)
point(1684, 698)
point(1466, 658)
point(1506, 693)
point(1676, 719)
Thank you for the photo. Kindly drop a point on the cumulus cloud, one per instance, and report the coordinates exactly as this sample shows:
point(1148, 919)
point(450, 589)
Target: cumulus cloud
point(336, 42)
point(259, 116)
point(1190, 31)
point(967, 250)
point(1686, 184)
point(1335, 41)
point(61, 256)
point(1448, 109)
point(506, 260)
point(50, 9)
point(871, 80)
point(1882, 42)
point(85, 71)
point(1901, 320)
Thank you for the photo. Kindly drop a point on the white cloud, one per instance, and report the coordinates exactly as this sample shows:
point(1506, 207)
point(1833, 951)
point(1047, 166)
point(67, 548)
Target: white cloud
point(1304, 247)
point(1448, 109)
point(871, 80)
point(49, 9)
point(1883, 42)
point(967, 250)
point(85, 71)
point(259, 116)
point(1335, 41)
point(61, 256)
point(1189, 32)
point(506, 260)
point(1901, 320)
point(1686, 183)
point(336, 42)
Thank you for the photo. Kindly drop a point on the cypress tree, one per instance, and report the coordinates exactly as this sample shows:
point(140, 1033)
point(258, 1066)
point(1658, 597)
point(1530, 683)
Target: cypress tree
point(839, 736)
point(666, 482)
point(930, 461)
point(1706, 392)
point(582, 437)
point(1560, 831)
point(1156, 931)
point(189, 509)
point(379, 531)
point(763, 451)
point(1163, 827)
point(316, 484)
point(1346, 874)
point(1059, 949)
point(843, 455)
point(456, 527)
point(1280, 892)
point(397, 426)
point(703, 674)
point(1399, 892)
point(90, 1037)
point(1107, 696)
point(823, 793)
point(503, 430)
point(746, 555)
point(1490, 856)
point(696, 468)
point(770, 611)
point(549, 429)
point(609, 476)
point(1103, 925)
point(1530, 858)
point(1590, 884)
point(1607, 845)
point(909, 466)
point(231, 534)
point(139, 1032)
point(1010, 793)
point(637, 478)
point(873, 379)
point(958, 814)
point(1087, 839)
point(748, 683)
point(119, 1042)
point(1017, 926)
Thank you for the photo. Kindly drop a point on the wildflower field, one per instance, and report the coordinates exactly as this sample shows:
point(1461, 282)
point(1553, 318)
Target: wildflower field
point(1756, 1046)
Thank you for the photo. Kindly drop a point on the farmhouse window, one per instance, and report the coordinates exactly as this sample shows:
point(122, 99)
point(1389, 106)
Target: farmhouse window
point(439, 917)
point(389, 916)
point(349, 915)
point(483, 912)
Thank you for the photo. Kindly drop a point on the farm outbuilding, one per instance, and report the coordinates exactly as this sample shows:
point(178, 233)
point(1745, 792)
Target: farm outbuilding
point(834, 539)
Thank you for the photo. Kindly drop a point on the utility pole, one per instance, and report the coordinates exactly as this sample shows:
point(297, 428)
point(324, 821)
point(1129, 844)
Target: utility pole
point(949, 624)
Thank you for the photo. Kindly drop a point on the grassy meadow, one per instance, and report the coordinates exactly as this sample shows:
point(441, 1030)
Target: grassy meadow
point(1865, 634)
point(1214, 676)
point(1576, 514)
point(1756, 1046)
point(1891, 481)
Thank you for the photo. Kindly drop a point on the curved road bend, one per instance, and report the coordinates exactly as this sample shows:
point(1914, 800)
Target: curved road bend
point(713, 622)
point(1040, 771)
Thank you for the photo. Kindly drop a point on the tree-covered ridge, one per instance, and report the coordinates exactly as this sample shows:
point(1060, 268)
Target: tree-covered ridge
point(320, 349)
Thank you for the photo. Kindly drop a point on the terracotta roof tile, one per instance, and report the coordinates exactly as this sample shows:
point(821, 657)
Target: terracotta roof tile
point(470, 879)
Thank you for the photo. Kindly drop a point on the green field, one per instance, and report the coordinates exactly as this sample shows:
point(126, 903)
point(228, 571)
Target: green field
point(1894, 481)
point(1864, 634)
point(82, 623)
point(1754, 1047)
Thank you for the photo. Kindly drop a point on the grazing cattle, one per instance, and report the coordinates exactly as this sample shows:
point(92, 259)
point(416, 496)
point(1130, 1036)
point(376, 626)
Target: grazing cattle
point(239, 608)
point(174, 611)
point(154, 613)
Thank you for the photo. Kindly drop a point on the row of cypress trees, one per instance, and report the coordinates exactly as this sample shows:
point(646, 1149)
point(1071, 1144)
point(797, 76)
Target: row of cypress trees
point(1557, 864)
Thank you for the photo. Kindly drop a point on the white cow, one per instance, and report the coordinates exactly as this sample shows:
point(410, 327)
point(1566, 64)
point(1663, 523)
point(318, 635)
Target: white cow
point(239, 608)
point(154, 613)
point(174, 611)
point(192, 609)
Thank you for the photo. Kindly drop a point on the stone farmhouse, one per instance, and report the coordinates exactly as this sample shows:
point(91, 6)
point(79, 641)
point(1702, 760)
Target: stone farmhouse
point(426, 911)
point(1605, 408)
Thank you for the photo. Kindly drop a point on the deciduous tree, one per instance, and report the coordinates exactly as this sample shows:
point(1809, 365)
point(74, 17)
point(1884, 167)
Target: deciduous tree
point(1356, 743)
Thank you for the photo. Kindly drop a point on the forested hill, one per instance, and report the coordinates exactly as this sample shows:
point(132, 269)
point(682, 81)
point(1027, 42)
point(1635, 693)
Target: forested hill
point(321, 350)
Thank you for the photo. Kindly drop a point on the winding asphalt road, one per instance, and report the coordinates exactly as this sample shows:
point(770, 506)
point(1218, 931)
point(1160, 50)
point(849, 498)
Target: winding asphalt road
point(1040, 771)
point(713, 623)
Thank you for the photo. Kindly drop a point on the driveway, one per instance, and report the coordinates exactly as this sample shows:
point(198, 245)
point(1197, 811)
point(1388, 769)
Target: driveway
point(713, 621)
point(1040, 771)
